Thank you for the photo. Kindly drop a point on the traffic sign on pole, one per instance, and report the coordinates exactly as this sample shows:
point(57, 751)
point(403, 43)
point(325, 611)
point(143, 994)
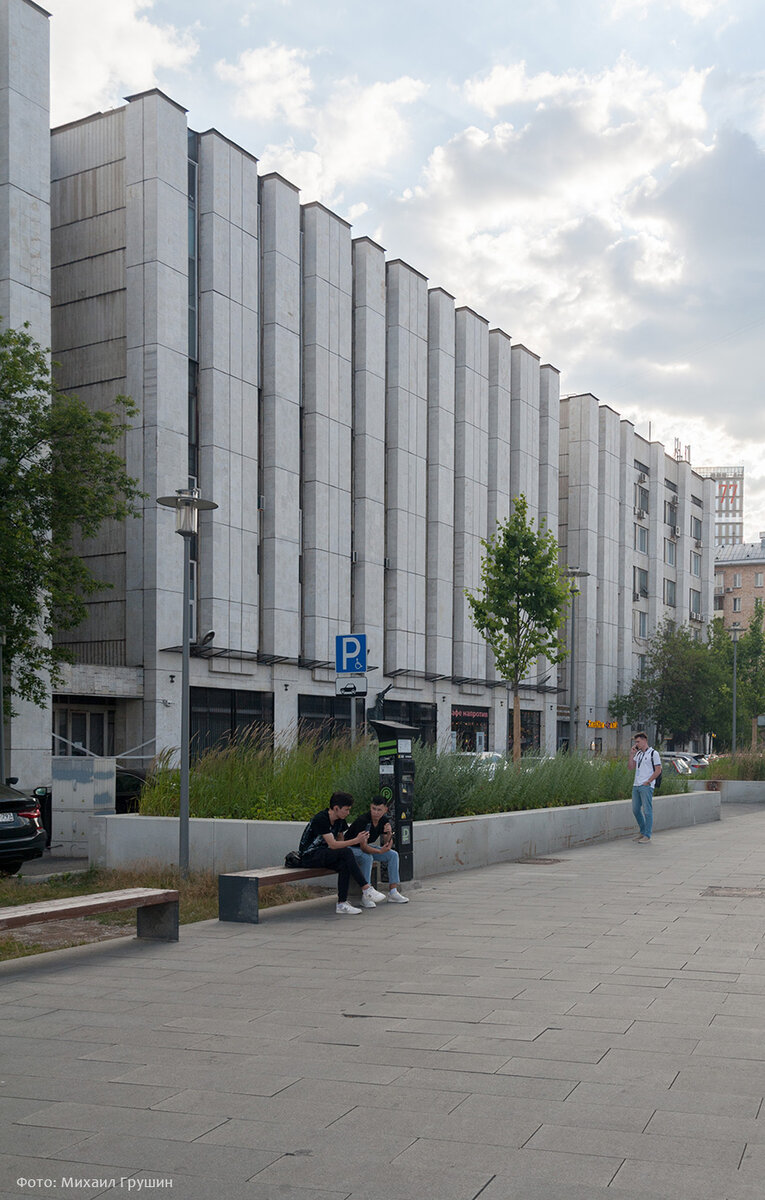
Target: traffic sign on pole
point(351, 653)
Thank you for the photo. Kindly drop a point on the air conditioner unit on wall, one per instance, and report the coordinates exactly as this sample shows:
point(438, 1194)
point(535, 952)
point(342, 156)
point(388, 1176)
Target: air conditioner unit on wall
point(642, 477)
point(636, 595)
point(698, 543)
point(676, 531)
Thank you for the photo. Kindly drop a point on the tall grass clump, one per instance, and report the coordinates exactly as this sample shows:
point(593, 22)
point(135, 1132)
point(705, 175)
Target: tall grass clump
point(250, 779)
point(746, 766)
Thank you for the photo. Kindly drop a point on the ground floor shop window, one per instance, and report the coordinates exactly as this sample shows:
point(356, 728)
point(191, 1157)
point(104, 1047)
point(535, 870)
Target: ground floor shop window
point(531, 731)
point(219, 714)
point(327, 717)
point(421, 717)
point(470, 728)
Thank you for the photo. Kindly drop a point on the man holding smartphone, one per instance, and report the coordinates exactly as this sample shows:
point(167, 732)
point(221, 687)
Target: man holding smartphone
point(647, 766)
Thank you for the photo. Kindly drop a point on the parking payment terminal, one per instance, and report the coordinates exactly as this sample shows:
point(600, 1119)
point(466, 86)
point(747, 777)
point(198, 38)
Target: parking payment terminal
point(397, 786)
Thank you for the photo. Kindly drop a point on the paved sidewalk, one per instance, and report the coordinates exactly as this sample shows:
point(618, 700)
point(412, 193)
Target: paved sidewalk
point(591, 1027)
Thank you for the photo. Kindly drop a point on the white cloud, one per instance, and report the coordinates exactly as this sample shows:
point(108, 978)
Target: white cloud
point(270, 83)
point(355, 135)
point(698, 10)
point(101, 52)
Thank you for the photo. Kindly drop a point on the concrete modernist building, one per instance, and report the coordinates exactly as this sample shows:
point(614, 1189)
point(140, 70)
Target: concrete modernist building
point(640, 524)
point(739, 582)
point(360, 433)
point(25, 262)
point(729, 503)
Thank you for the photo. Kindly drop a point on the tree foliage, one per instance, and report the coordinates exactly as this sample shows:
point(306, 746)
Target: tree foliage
point(750, 678)
point(62, 479)
point(521, 606)
point(677, 693)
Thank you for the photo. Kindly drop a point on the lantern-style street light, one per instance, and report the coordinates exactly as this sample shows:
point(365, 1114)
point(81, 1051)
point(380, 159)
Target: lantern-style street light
point(188, 503)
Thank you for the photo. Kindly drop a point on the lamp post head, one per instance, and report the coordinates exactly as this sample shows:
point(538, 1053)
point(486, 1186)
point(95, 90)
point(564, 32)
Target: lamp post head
point(735, 632)
point(188, 503)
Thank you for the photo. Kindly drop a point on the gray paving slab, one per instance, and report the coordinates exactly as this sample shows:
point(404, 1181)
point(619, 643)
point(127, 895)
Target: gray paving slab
point(596, 1028)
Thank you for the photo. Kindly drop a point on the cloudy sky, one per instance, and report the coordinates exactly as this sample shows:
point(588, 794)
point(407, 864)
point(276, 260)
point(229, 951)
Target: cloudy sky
point(587, 174)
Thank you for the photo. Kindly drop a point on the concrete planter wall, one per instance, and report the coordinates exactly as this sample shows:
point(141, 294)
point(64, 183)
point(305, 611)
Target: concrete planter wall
point(439, 846)
point(732, 791)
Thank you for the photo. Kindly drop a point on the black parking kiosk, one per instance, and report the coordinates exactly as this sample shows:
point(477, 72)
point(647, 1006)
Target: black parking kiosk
point(397, 786)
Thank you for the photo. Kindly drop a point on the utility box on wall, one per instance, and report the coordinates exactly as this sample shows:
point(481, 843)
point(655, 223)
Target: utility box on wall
point(82, 786)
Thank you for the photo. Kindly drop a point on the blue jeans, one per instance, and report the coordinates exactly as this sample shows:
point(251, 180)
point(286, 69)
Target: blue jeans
point(364, 860)
point(642, 799)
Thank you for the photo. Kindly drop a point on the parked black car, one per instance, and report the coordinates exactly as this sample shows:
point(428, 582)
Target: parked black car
point(22, 835)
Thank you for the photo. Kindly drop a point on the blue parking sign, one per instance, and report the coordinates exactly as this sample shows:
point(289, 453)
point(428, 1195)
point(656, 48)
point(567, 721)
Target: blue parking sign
point(351, 654)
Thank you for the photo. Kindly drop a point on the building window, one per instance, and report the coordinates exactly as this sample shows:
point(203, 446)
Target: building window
point(737, 579)
point(695, 564)
point(670, 592)
point(670, 552)
point(696, 529)
point(640, 581)
point(641, 624)
point(719, 603)
point(641, 497)
point(695, 602)
point(758, 578)
point(737, 604)
point(670, 512)
point(641, 539)
point(641, 661)
point(218, 715)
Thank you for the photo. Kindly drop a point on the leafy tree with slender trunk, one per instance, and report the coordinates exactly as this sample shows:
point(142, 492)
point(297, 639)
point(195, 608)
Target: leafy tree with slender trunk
point(678, 691)
point(62, 478)
point(521, 606)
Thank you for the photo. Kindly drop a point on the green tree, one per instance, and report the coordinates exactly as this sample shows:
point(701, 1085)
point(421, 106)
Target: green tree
point(750, 678)
point(61, 480)
point(521, 607)
point(678, 690)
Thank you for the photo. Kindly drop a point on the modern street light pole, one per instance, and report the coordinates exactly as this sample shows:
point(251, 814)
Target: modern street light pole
point(187, 503)
point(735, 634)
point(573, 705)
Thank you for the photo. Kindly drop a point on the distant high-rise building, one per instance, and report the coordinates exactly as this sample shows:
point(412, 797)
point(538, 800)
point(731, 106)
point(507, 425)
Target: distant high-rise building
point(729, 503)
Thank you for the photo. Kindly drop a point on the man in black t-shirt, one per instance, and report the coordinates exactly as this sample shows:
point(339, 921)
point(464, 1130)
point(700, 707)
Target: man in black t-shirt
point(379, 845)
point(323, 844)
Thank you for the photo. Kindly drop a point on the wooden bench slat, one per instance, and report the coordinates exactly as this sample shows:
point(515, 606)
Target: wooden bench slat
point(280, 874)
point(14, 916)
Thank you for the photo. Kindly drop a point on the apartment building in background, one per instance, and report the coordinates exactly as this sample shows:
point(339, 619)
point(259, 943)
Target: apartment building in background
point(729, 503)
point(739, 582)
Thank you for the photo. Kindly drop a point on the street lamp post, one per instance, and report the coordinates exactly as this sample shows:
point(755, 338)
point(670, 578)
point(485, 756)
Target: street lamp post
point(573, 706)
point(187, 503)
point(735, 634)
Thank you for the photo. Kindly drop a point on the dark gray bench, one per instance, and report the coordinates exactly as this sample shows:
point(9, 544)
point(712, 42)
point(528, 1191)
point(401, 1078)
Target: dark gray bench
point(156, 910)
point(238, 891)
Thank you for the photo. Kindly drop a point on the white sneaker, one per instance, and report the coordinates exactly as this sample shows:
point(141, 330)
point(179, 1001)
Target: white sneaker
point(373, 893)
point(346, 908)
point(397, 898)
point(367, 901)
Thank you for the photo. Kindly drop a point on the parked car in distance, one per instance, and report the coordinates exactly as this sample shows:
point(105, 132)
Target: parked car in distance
point(488, 760)
point(675, 764)
point(697, 762)
point(22, 835)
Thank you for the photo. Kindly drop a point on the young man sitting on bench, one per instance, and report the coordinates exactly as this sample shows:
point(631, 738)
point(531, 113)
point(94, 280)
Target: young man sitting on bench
point(323, 844)
point(377, 825)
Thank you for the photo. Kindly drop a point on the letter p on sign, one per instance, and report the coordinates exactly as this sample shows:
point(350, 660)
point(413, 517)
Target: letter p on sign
point(351, 654)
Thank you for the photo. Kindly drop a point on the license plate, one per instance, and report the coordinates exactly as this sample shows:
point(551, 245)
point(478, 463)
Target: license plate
point(7, 818)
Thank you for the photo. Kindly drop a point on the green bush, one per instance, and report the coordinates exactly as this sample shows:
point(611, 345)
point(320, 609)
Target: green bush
point(249, 779)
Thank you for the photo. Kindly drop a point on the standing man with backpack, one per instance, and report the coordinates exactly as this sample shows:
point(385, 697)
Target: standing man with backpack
point(647, 766)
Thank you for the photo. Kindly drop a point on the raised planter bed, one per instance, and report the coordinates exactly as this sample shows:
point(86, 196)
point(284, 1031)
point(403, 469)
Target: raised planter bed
point(462, 843)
